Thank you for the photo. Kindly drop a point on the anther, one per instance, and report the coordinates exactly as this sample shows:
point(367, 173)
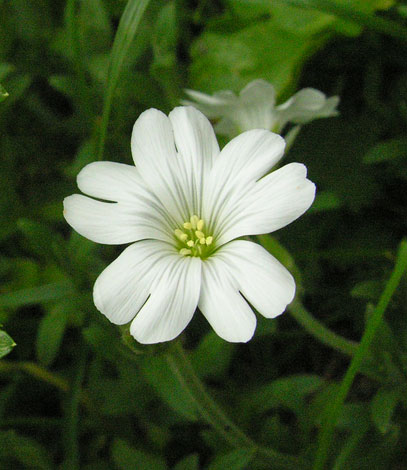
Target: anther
point(199, 234)
point(190, 243)
point(194, 220)
point(187, 225)
point(185, 251)
point(180, 235)
point(209, 240)
point(200, 225)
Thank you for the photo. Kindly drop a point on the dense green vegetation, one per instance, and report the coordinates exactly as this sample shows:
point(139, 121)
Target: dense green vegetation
point(324, 386)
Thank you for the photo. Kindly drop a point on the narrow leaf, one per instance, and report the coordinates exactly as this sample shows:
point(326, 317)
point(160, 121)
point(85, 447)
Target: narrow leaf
point(355, 15)
point(50, 333)
point(191, 462)
point(383, 406)
point(127, 457)
point(235, 460)
point(35, 295)
point(125, 34)
point(387, 150)
point(26, 451)
point(158, 375)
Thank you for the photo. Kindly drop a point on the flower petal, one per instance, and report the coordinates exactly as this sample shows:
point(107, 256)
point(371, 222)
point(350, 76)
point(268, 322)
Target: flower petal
point(123, 287)
point(268, 205)
point(166, 172)
point(118, 182)
point(113, 223)
point(242, 161)
point(155, 156)
point(248, 157)
point(222, 305)
point(306, 105)
point(110, 181)
point(256, 107)
point(260, 92)
point(212, 105)
point(263, 280)
point(173, 301)
point(197, 147)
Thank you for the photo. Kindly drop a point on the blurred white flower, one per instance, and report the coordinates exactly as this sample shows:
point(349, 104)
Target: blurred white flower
point(182, 206)
point(255, 108)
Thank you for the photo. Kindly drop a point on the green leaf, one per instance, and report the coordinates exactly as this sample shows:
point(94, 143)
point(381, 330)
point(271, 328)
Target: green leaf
point(126, 31)
point(287, 17)
point(165, 34)
point(105, 341)
point(127, 457)
point(369, 290)
point(36, 295)
point(191, 462)
point(229, 61)
point(236, 460)
point(158, 374)
point(275, 248)
point(164, 67)
point(6, 343)
point(325, 201)
point(3, 94)
point(50, 333)
point(355, 13)
point(16, 85)
point(24, 450)
point(387, 150)
point(383, 406)
point(212, 356)
point(40, 237)
point(289, 392)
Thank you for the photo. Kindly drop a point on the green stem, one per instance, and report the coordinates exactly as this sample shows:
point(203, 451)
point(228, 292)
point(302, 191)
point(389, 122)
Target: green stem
point(319, 331)
point(333, 410)
point(214, 415)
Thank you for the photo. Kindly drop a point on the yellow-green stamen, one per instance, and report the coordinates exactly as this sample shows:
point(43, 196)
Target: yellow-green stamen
point(192, 239)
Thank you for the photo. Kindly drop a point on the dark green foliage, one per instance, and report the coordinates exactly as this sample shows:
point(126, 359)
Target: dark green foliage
point(78, 392)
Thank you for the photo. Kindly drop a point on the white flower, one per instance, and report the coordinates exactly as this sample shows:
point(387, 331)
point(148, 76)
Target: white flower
point(255, 108)
point(182, 206)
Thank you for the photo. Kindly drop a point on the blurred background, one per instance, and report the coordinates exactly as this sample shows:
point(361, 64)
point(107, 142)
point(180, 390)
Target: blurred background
point(76, 392)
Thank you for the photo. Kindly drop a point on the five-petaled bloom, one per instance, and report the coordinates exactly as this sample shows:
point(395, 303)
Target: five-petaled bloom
point(183, 205)
point(255, 108)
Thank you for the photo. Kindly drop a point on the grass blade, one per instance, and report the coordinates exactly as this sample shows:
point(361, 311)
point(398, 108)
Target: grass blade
point(35, 295)
point(126, 31)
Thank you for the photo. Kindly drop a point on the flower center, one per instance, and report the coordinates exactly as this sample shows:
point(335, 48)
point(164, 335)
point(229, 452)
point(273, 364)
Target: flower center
point(192, 240)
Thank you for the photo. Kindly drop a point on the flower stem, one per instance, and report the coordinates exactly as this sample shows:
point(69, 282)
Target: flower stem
point(215, 416)
point(319, 331)
point(333, 411)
